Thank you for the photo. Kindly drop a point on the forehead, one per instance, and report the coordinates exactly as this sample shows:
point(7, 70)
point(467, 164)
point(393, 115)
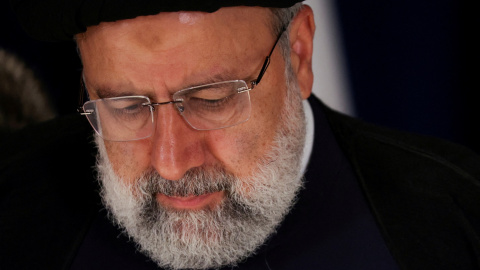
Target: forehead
point(177, 46)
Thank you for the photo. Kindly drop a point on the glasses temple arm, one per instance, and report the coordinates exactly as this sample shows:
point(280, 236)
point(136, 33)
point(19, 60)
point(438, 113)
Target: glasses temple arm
point(81, 95)
point(267, 59)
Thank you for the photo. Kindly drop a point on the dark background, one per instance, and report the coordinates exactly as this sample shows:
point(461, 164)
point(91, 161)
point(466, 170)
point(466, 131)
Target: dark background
point(412, 65)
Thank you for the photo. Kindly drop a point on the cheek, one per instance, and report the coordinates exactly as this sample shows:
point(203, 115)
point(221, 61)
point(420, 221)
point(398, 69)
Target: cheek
point(129, 159)
point(233, 148)
point(240, 148)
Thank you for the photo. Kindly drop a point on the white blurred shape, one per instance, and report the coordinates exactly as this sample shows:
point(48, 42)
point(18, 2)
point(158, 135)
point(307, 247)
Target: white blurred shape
point(330, 80)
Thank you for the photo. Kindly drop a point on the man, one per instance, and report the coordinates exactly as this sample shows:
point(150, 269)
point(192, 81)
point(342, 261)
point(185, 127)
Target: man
point(202, 156)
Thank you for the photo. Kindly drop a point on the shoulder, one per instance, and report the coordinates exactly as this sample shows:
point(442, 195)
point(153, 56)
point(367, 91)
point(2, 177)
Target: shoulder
point(47, 192)
point(423, 191)
point(61, 146)
point(45, 134)
point(370, 145)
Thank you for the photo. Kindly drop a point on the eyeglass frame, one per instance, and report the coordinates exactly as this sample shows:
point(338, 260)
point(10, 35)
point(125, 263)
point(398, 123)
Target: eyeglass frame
point(253, 83)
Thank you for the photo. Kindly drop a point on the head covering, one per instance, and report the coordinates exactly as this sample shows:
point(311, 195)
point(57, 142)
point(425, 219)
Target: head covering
point(54, 20)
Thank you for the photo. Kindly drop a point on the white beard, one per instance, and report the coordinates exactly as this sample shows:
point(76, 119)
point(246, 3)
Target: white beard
point(210, 238)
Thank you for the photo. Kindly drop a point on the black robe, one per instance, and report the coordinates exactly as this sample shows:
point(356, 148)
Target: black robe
point(374, 198)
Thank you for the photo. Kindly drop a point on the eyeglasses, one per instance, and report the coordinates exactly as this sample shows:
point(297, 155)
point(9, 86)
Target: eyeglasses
point(204, 107)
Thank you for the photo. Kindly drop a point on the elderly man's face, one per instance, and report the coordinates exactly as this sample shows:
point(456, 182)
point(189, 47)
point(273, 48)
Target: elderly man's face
point(156, 56)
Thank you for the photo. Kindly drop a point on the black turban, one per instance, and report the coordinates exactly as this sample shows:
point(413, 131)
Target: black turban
point(54, 20)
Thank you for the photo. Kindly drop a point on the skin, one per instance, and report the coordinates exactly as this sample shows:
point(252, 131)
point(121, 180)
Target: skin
point(158, 55)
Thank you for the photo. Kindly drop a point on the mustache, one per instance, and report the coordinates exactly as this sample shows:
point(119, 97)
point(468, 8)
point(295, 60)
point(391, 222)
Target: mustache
point(196, 181)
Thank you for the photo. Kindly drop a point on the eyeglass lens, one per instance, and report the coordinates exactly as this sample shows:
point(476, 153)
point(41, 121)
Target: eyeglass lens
point(120, 119)
point(207, 107)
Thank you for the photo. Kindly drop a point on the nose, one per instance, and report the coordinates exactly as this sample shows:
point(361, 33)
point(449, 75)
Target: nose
point(176, 146)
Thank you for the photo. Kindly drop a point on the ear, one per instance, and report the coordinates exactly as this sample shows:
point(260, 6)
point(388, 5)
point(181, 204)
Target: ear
point(302, 29)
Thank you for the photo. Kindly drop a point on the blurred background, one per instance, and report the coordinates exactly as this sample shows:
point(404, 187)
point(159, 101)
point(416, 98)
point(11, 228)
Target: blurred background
point(410, 65)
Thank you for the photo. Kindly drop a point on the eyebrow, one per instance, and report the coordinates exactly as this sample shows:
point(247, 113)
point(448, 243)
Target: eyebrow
point(211, 79)
point(107, 92)
point(220, 77)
